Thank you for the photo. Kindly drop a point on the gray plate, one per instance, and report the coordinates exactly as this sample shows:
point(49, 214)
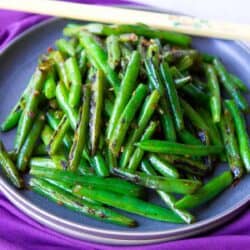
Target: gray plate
point(18, 62)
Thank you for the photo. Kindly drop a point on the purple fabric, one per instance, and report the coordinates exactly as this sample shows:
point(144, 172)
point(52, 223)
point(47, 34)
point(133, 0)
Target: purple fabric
point(17, 231)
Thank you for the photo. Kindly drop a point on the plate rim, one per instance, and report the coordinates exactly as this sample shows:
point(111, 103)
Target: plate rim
point(122, 237)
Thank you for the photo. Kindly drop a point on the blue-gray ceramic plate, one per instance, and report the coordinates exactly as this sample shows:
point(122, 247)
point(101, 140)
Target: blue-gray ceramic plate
point(17, 64)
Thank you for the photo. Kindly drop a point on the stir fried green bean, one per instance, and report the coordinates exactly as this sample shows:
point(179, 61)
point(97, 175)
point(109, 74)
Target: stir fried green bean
point(115, 114)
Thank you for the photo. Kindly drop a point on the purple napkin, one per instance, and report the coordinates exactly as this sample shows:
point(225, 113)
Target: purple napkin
point(17, 231)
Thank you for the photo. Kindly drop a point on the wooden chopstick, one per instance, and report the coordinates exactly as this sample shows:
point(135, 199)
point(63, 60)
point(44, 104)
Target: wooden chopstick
point(86, 12)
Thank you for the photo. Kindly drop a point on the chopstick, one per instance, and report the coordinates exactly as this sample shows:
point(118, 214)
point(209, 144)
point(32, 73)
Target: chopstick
point(86, 12)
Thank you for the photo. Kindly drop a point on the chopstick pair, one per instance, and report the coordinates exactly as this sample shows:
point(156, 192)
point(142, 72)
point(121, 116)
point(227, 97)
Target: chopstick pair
point(86, 12)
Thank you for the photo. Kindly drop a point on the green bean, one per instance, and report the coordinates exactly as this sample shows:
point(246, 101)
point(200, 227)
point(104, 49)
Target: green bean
point(139, 29)
point(207, 57)
point(30, 110)
point(163, 167)
point(188, 138)
point(229, 86)
point(168, 147)
point(82, 61)
point(172, 96)
point(69, 189)
point(42, 162)
point(214, 88)
point(193, 116)
point(127, 87)
point(238, 83)
point(58, 135)
point(146, 113)
point(100, 166)
point(128, 37)
point(65, 47)
point(213, 132)
point(175, 159)
point(138, 153)
point(205, 139)
point(113, 49)
point(78, 47)
point(9, 168)
point(59, 158)
point(129, 204)
point(13, 117)
point(231, 145)
point(66, 137)
point(126, 54)
point(96, 110)
point(197, 169)
point(189, 170)
point(56, 116)
point(176, 54)
point(80, 136)
point(199, 122)
point(241, 131)
point(153, 51)
point(108, 183)
point(46, 135)
point(12, 155)
point(61, 197)
point(206, 193)
point(175, 72)
point(168, 199)
point(101, 143)
point(167, 184)
point(154, 76)
point(54, 123)
point(111, 159)
point(74, 76)
point(185, 63)
point(62, 97)
point(196, 94)
point(166, 117)
point(29, 143)
point(126, 118)
point(40, 150)
point(182, 81)
point(50, 86)
point(73, 41)
point(84, 168)
point(99, 56)
point(108, 107)
point(60, 67)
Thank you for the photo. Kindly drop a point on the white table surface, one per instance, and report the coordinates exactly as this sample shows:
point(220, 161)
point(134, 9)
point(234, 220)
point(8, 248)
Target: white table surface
point(222, 10)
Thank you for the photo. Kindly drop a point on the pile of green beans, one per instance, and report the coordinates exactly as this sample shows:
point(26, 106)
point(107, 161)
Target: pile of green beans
point(112, 111)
